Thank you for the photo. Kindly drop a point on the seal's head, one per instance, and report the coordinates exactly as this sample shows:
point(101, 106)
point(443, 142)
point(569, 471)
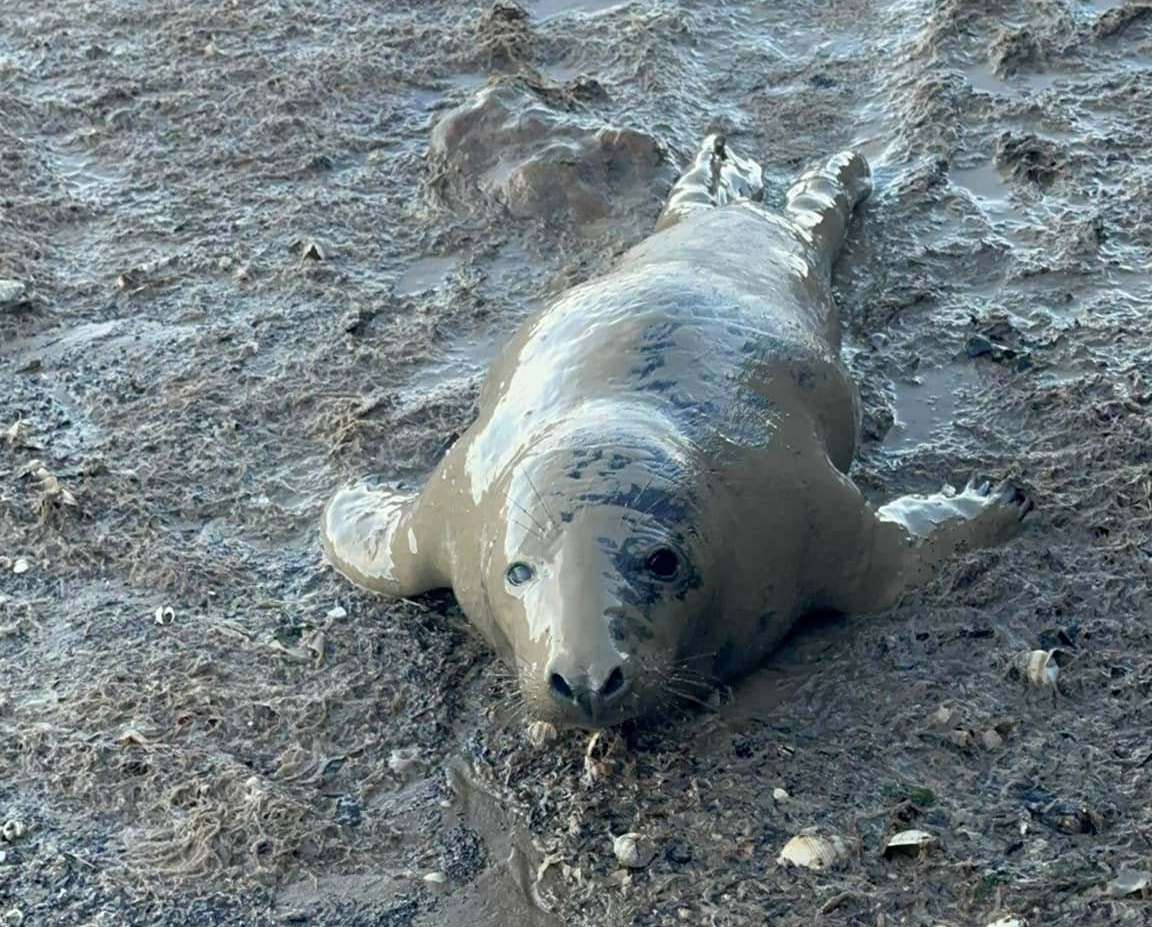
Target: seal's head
point(600, 578)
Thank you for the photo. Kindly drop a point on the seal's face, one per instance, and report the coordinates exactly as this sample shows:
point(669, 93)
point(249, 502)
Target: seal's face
point(600, 589)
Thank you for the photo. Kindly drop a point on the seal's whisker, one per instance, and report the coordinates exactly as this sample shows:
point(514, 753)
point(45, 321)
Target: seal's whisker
point(544, 505)
point(541, 530)
point(691, 698)
point(636, 503)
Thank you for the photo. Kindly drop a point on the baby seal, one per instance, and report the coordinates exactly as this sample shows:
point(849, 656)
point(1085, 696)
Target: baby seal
point(655, 488)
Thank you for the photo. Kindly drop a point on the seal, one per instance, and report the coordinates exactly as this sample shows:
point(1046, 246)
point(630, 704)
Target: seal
point(655, 489)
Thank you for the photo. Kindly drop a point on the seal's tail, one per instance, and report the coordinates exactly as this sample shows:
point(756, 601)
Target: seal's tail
point(820, 203)
point(717, 177)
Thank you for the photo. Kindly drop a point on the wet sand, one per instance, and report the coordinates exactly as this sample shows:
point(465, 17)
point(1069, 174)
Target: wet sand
point(243, 287)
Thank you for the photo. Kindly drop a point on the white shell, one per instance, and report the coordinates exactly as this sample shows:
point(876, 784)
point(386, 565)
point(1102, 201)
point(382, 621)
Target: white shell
point(1130, 882)
point(20, 566)
point(779, 794)
point(909, 841)
point(164, 615)
point(811, 851)
point(541, 733)
point(337, 613)
point(1009, 920)
point(11, 292)
point(13, 830)
point(1039, 667)
point(633, 850)
point(437, 878)
point(402, 761)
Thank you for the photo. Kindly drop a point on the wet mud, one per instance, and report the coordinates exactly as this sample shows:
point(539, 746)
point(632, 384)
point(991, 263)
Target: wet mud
point(237, 273)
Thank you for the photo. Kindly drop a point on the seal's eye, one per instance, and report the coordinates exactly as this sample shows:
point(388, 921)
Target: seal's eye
point(519, 573)
point(662, 563)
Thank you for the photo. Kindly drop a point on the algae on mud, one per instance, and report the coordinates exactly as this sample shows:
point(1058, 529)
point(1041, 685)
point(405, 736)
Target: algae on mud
point(201, 415)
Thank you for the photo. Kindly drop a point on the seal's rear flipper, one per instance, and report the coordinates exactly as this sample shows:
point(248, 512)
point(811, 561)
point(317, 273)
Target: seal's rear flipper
point(820, 203)
point(379, 541)
point(717, 177)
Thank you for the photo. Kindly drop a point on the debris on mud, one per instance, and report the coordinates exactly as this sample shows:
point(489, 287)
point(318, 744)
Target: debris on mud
point(12, 294)
point(1031, 158)
point(813, 851)
point(518, 144)
point(634, 851)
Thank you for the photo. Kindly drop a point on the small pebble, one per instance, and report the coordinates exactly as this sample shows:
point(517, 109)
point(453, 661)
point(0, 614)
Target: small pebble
point(437, 878)
point(961, 738)
point(20, 566)
point(779, 794)
point(990, 740)
point(338, 613)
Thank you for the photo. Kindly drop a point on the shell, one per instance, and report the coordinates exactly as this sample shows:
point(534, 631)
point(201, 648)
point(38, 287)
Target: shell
point(1039, 667)
point(633, 850)
point(909, 842)
point(812, 851)
point(436, 878)
point(20, 566)
point(1130, 882)
point(1009, 920)
point(779, 794)
point(541, 733)
point(402, 761)
point(13, 830)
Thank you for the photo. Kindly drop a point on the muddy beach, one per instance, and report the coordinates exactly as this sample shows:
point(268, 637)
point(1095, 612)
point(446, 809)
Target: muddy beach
point(252, 251)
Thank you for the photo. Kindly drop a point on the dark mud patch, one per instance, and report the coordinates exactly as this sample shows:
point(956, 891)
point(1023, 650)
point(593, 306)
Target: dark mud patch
point(197, 377)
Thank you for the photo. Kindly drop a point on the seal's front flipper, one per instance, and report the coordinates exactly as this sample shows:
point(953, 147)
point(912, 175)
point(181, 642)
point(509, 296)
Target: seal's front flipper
point(820, 203)
point(901, 545)
point(379, 540)
point(717, 177)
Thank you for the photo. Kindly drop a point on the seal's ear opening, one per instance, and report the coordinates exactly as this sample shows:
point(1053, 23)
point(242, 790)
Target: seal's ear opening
point(377, 539)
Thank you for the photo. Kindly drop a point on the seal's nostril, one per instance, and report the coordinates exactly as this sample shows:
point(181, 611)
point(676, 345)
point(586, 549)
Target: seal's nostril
point(613, 684)
point(560, 686)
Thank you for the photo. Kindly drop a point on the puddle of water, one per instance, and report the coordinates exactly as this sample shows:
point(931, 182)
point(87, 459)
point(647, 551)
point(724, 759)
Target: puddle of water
point(561, 73)
point(545, 9)
point(425, 274)
point(428, 99)
point(928, 407)
point(81, 171)
point(981, 77)
point(991, 191)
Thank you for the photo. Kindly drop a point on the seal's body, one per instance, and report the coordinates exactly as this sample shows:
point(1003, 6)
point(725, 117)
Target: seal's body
point(654, 489)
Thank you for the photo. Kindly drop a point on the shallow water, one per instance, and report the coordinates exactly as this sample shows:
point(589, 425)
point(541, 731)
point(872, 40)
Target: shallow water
point(926, 408)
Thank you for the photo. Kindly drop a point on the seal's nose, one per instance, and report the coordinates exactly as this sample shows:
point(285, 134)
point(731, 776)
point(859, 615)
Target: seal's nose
point(593, 689)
